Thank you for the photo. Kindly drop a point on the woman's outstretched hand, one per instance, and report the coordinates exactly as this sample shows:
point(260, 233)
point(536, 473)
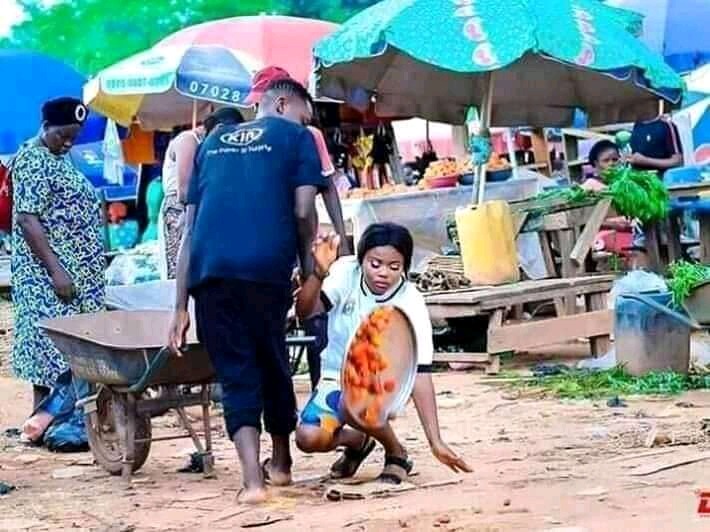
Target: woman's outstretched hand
point(449, 458)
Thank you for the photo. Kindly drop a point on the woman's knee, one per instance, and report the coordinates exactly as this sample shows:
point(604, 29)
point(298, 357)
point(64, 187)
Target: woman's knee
point(311, 439)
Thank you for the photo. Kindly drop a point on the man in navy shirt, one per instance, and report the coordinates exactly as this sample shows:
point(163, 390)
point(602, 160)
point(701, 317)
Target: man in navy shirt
point(250, 215)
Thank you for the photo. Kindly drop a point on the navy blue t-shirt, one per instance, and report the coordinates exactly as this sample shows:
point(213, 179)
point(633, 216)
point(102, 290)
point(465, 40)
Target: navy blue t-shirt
point(243, 190)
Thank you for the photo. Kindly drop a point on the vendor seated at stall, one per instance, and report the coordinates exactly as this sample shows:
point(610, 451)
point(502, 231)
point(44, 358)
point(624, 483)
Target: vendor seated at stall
point(349, 289)
point(603, 155)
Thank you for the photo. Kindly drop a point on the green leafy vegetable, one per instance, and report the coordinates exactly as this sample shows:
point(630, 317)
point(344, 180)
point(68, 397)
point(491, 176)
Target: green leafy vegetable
point(637, 194)
point(683, 277)
point(594, 384)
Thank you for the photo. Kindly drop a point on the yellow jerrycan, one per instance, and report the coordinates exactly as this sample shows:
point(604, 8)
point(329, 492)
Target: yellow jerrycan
point(487, 241)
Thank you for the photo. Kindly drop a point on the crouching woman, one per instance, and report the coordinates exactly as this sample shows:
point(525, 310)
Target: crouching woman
point(349, 289)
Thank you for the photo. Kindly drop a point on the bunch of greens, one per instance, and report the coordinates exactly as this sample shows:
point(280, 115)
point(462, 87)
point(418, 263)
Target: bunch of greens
point(683, 276)
point(574, 194)
point(637, 194)
point(595, 384)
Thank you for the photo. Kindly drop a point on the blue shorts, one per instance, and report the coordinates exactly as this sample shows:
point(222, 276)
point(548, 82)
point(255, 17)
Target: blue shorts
point(323, 408)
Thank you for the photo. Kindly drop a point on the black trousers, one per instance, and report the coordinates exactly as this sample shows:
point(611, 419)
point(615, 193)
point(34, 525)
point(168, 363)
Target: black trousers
point(316, 326)
point(241, 324)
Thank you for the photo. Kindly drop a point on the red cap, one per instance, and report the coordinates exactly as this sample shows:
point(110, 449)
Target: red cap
point(261, 81)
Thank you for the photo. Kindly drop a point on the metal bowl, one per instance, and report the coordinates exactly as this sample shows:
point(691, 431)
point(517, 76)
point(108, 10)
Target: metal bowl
point(399, 346)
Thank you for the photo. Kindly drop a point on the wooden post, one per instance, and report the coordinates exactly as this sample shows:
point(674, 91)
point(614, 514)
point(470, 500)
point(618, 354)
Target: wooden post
point(495, 322)
point(600, 344)
point(704, 238)
point(485, 124)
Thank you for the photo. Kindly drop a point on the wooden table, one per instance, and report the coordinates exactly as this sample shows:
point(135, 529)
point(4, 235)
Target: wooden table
point(691, 190)
point(595, 322)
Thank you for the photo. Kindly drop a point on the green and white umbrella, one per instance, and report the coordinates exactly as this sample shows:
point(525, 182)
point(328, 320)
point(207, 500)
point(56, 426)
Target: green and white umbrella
point(539, 60)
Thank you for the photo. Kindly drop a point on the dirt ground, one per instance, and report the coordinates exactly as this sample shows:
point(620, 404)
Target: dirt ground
point(540, 464)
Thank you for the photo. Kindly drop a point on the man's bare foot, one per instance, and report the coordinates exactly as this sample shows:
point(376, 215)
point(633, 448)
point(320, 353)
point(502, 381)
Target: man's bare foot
point(252, 496)
point(274, 476)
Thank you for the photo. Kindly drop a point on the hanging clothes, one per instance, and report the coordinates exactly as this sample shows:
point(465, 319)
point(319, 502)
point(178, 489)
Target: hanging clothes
point(139, 147)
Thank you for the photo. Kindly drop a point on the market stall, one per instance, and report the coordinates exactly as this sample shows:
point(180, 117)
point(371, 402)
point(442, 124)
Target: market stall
point(470, 55)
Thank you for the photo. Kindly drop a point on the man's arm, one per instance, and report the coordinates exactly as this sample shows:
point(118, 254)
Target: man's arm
point(424, 397)
point(661, 164)
point(185, 160)
point(335, 212)
point(305, 214)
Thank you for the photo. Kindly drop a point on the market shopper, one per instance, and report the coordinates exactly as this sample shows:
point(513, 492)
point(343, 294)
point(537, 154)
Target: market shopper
point(349, 289)
point(57, 249)
point(251, 211)
point(177, 171)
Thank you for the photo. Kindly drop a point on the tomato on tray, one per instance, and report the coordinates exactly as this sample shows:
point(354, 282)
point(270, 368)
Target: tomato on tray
point(365, 384)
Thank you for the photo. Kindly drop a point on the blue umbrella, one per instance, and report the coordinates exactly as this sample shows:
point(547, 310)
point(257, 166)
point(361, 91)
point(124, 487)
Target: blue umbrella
point(676, 28)
point(30, 80)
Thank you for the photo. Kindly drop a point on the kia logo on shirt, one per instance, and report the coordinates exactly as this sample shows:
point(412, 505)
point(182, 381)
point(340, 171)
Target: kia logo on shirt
point(242, 137)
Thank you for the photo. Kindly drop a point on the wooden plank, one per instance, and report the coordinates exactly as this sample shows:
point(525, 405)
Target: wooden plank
point(547, 254)
point(589, 234)
point(494, 324)
point(653, 247)
point(704, 238)
point(567, 219)
point(688, 190)
point(464, 358)
point(540, 148)
point(549, 332)
point(566, 245)
point(675, 250)
point(445, 312)
point(600, 345)
point(543, 286)
point(550, 295)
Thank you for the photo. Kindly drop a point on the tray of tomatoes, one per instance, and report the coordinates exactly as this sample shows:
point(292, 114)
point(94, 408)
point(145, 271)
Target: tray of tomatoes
point(380, 367)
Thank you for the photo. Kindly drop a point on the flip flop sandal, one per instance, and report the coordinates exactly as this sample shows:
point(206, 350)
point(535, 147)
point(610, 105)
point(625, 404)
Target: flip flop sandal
point(347, 465)
point(267, 475)
point(392, 464)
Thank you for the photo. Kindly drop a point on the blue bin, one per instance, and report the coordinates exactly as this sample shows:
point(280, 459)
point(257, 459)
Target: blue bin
point(650, 336)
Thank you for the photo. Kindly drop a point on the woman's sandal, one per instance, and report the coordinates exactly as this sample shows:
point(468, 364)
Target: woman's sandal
point(347, 465)
point(396, 470)
point(278, 480)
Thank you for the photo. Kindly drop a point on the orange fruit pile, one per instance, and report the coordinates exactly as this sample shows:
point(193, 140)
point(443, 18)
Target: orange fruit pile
point(364, 367)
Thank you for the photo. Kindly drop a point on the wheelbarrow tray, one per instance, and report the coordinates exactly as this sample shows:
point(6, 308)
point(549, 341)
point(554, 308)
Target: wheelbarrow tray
point(126, 349)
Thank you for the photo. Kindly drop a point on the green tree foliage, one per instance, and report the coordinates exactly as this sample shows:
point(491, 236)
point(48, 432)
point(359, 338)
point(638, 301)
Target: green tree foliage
point(92, 34)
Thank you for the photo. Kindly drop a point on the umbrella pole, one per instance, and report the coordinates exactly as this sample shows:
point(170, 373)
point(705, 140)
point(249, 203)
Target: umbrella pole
point(485, 124)
point(194, 114)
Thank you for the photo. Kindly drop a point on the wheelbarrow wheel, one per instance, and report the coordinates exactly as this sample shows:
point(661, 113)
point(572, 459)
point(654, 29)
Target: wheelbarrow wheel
point(103, 429)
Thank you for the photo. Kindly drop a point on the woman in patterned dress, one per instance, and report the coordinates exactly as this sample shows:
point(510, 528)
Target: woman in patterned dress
point(57, 244)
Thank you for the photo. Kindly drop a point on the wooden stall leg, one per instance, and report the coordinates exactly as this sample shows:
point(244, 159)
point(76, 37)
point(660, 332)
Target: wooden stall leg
point(547, 254)
point(704, 220)
point(494, 322)
point(569, 269)
point(600, 345)
point(675, 250)
point(653, 247)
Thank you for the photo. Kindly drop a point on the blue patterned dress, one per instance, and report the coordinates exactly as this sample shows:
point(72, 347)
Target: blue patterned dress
point(68, 208)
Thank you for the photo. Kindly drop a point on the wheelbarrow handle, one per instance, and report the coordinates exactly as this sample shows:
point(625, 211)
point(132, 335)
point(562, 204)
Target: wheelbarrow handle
point(155, 364)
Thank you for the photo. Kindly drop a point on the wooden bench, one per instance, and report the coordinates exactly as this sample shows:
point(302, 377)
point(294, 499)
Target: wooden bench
point(594, 322)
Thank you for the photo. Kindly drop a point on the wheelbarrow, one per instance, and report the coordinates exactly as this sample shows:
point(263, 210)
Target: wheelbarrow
point(122, 355)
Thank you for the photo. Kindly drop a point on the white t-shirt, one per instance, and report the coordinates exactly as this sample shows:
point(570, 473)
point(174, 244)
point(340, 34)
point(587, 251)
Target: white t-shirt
point(351, 301)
